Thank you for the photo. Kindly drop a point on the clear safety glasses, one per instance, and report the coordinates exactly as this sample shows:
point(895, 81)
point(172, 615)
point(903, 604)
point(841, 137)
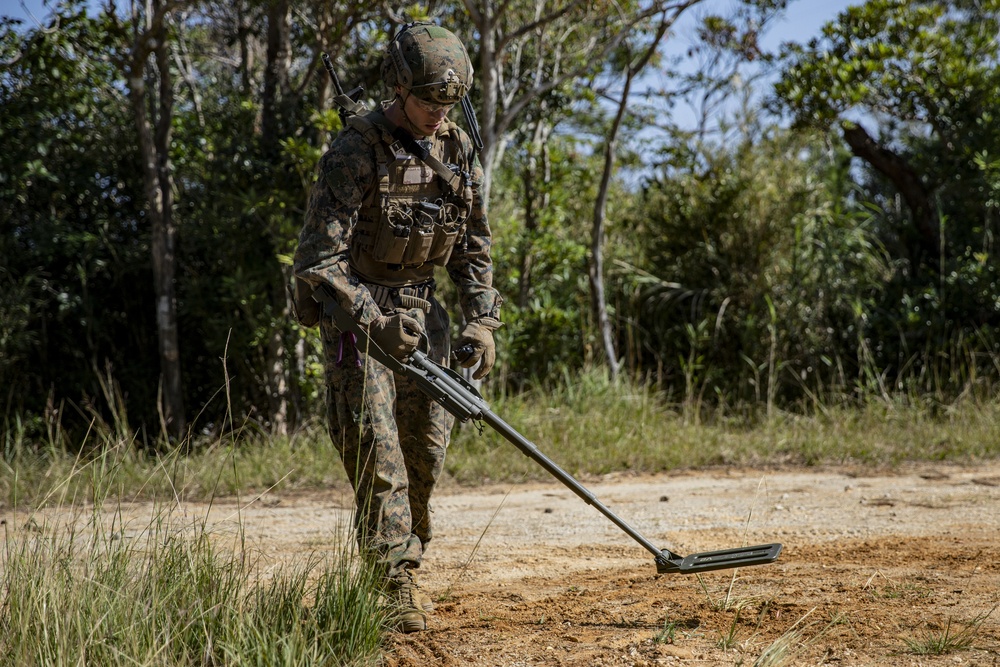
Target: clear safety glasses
point(432, 107)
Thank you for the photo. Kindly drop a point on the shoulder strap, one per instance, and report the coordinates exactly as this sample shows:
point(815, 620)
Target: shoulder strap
point(373, 137)
point(411, 146)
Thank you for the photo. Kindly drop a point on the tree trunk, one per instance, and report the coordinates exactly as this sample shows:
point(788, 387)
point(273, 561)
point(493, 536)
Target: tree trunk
point(907, 182)
point(154, 146)
point(596, 265)
point(275, 96)
point(275, 77)
point(243, 35)
point(537, 169)
point(506, 95)
point(277, 381)
point(490, 87)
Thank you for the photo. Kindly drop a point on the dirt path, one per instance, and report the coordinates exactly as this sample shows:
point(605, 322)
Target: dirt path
point(531, 575)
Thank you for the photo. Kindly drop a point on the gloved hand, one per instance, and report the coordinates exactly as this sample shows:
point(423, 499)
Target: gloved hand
point(477, 336)
point(397, 334)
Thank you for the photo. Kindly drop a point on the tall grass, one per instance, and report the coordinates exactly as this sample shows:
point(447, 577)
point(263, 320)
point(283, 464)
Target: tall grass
point(587, 424)
point(91, 586)
point(91, 589)
point(34, 472)
point(593, 426)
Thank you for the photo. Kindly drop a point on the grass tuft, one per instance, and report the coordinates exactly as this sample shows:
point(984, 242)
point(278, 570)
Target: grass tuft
point(954, 637)
point(96, 590)
point(788, 648)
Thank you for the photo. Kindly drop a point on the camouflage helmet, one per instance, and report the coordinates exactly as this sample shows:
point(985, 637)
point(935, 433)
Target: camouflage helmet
point(430, 62)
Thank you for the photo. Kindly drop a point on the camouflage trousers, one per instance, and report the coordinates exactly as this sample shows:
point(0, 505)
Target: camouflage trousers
point(392, 440)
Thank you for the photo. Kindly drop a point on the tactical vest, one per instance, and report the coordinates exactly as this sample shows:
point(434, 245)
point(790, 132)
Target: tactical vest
point(417, 212)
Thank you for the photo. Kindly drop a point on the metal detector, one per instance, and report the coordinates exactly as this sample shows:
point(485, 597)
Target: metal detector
point(461, 399)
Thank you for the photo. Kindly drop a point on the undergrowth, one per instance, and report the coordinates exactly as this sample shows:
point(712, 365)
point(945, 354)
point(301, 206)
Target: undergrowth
point(589, 427)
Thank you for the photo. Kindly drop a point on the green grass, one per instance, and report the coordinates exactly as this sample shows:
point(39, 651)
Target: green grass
point(588, 427)
point(35, 474)
point(953, 637)
point(90, 585)
point(95, 591)
point(594, 428)
point(92, 590)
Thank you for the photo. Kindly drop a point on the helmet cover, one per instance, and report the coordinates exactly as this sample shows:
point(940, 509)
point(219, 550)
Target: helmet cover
point(430, 62)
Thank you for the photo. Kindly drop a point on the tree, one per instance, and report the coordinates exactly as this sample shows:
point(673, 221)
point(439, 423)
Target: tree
point(924, 73)
point(758, 274)
point(148, 75)
point(530, 50)
point(911, 88)
point(635, 58)
point(736, 35)
point(73, 311)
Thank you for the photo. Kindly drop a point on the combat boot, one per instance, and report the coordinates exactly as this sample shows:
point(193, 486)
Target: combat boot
point(423, 600)
point(404, 592)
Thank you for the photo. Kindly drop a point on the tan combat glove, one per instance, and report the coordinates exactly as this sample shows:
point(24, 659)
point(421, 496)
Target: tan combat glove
point(476, 343)
point(397, 334)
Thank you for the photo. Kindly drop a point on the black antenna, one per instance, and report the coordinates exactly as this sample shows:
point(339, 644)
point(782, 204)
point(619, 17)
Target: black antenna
point(333, 74)
point(470, 120)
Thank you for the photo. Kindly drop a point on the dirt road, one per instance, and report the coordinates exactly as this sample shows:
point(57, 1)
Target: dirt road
point(877, 567)
point(886, 568)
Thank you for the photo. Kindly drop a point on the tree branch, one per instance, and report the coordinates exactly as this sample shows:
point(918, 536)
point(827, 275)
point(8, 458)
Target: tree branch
point(907, 181)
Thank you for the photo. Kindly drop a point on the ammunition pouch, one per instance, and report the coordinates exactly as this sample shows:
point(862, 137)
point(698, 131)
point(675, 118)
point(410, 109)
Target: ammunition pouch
point(410, 234)
point(417, 212)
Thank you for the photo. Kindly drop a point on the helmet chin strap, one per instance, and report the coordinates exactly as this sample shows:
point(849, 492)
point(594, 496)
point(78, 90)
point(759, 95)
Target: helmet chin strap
point(402, 107)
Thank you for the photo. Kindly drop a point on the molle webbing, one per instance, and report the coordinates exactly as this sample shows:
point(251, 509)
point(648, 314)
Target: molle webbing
point(364, 124)
point(416, 212)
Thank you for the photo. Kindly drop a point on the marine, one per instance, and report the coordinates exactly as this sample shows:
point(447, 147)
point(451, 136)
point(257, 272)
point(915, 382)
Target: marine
point(397, 196)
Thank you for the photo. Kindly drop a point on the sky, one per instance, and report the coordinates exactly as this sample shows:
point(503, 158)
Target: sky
point(804, 18)
point(799, 22)
point(20, 10)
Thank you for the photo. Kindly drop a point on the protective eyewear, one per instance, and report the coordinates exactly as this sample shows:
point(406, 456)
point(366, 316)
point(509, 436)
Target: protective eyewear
point(433, 107)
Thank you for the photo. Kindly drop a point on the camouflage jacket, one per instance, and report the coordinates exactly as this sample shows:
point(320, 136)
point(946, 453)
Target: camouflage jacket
point(347, 176)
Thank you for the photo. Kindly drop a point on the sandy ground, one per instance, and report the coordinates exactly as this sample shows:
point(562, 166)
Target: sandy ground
point(876, 567)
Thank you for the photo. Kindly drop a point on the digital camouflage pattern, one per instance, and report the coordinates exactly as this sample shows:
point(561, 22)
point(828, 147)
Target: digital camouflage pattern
point(430, 61)
point(348, 176)
point(391, 437)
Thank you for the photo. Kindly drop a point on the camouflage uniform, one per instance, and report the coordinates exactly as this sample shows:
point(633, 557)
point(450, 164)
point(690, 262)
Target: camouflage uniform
point(391, 438)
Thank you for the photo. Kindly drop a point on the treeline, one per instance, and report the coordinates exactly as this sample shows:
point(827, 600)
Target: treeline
point(828, 239)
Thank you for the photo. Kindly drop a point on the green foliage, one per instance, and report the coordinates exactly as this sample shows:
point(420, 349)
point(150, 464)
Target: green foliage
point(76, 270)
point(924, 75)
point(754, 274)
point(755, 277)
point(914, 60)
point(75, 246)
point(546, 309)
point(591, 426)
point(586, 423)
